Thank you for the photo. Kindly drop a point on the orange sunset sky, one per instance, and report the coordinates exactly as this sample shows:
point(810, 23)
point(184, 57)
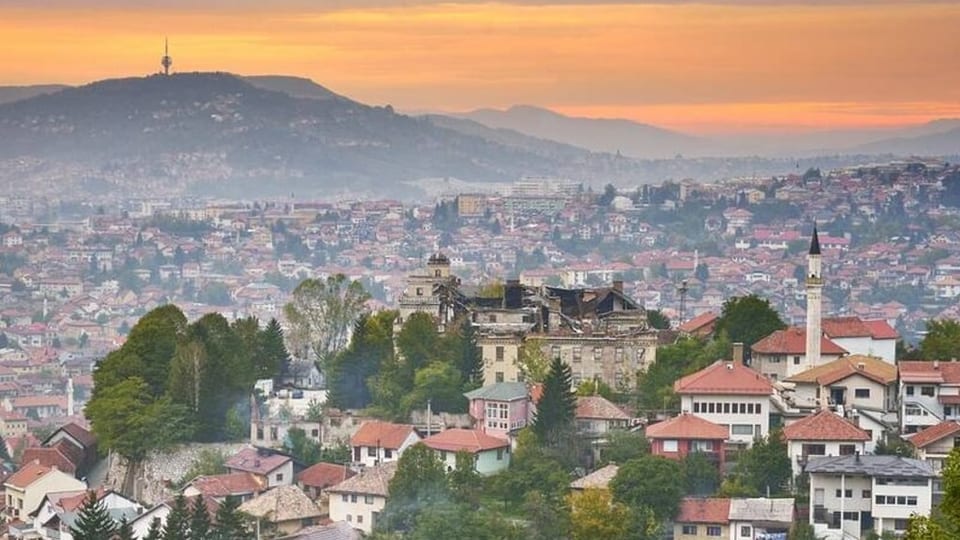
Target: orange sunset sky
point(721, 66)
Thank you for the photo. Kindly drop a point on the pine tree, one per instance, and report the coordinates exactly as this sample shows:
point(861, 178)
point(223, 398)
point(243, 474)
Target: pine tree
point(471, 360)
point(557, 406)
point(155, 532)
point(177, 526)
point(229, 523)
point(273, 359)
point(93, 523)
point(124, 531)
point(199, 519)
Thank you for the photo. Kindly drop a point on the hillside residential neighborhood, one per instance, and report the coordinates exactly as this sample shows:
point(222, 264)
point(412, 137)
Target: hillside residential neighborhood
point(625, 291)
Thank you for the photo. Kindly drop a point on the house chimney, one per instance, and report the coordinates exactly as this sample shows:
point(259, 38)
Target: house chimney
point(738, 352)
point(861, 366)
point(618, 285)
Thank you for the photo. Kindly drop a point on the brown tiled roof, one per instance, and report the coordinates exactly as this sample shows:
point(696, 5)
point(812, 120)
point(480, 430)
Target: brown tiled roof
point(875, 369)
point(699, 322)
point(881, 330)
point(281, 504)
point(724, 378)
point(929, 371)
point(686, 426)
point(253, 461)
point(324, 475)
point(369, 481)
point(223, 485)
point(84, 436)
point(935, 433)
point(471, 440)
point(381, 434)
point(50, 457)
point(824, 426)
point(27, 474)
point(793, 341)
point(709, 510)
point(598, 407)
point(845, 327)
point(598, 479)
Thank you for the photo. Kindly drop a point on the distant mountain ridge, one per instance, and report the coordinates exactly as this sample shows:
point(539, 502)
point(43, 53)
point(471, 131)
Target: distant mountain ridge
point(9, 94)
point(630, 138)
point(218, 133)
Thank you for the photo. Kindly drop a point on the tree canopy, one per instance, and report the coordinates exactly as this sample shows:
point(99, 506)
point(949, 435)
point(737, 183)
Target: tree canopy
point(942, 341)
point(650, 482)
point(748, 319)
point(321, 314)
point(93, 523)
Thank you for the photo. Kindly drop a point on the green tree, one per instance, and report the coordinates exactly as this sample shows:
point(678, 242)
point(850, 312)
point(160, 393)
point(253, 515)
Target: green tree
point(532, 362)
point(765, 467)
point(802, 530)
point(155, 532)
point(594, 387)
point(199, 519)
point(445, 519)
point(153, 340)
point(469, 361)
point(420, 481)
point(350, 371)
point(418, 342)
point(894, 445)
point(298, 445)
point(271, 359)
point(950, 504)
point(177, 526)
point(701, 477)
point(622, 446)
point(925, 528)
point(124, 530)
point(440, 382)
point(557, 405)
point(322, 312)
point(491, 289)
point(649, 482)
point(229, 523)
point(594, 514)
point(93, 522)
point(465, 480)
point(339, 453)
point(748, 319)
point(547, 518)
point(942, 340)
point(657, 319)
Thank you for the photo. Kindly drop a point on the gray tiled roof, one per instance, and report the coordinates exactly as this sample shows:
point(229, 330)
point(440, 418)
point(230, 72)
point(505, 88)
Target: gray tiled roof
point(889, 466)
point(502, 391)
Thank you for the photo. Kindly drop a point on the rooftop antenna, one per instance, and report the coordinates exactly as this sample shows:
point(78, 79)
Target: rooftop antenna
point(166, 61)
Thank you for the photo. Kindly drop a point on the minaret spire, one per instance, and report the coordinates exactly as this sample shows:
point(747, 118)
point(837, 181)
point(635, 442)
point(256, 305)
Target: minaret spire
point(166, 61)
point(814, 285)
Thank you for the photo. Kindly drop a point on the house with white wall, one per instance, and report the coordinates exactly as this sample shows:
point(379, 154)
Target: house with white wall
point(822, 434)
point(729, 394)
point(358, 500)
point(26, 488)
point(490, 454)
point(864, 337)
point(850, 495)
point(783, 353)
point(381, 442)
point(271, 468)
point(929, 394)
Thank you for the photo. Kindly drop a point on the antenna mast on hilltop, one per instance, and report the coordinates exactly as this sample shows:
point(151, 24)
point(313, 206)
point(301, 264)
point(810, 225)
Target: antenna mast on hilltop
point(166, 61)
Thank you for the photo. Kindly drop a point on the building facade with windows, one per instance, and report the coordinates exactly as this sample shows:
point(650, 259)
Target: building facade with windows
point(851, 495)
point(822, 434)
point(360, 499)
point(929, 394)
point(501, 409)
point(381, 442)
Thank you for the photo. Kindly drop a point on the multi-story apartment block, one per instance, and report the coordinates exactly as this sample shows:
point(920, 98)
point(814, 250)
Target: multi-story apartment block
point(929, 394)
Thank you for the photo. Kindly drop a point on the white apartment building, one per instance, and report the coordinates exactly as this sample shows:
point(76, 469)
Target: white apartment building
point(850, 495)
point(822, 434)
point(729, 394)
point(929, 394)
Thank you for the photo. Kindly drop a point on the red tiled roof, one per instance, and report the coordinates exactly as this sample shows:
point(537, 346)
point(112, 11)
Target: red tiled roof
point(881, 330)
point(935, 433)
point(686, 426)
point(381, 434)
point(709, 510)
point(699, 322)
point(324, 475)
point(73, 502)
point(50, 457)
point(824, 426)
point(598, 407)
point(471, 440)
point(928, 371)
point(724, 378)
point(793, 341)
point(27, 474)
point(845, 327)
point(223, 485)
point(948, 400)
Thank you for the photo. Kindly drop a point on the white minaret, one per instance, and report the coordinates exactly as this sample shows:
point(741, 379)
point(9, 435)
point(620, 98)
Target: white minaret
point(70, 398)
point(814, 302)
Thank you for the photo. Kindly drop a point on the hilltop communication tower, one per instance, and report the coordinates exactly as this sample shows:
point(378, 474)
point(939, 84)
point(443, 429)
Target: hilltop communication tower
point(166, 61)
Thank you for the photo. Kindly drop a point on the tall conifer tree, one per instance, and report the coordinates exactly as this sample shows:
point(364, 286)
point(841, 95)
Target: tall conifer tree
point(177, 526)
point(199, 519)
point(93, 523)
point(558, 404)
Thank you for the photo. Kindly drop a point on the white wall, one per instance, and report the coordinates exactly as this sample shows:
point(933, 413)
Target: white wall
point(761, 419)
point(380, 454)
point(856, 503)
point(831, 448)
point(281, 476)
point(357, 507)
point(485, 463)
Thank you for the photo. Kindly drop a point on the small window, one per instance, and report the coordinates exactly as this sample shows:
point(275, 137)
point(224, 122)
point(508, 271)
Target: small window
point(796, 360)
point(866, 494)
point(689, 530)
point(499, 454)
point(314, 433)
point(745, 531)
point(927, 391)
point(577, 351)
point(371, 451)
point(279, 477)
point(696, 407)
point(349, 518)
point(499, 353)
point(909, 390)
point(359, 518)
point(345, 497)
point(741, 429)
point(498, 376)
point(670, 445)
point(713, 530)
point(726, 408)
point(862, 393)
point(353, 498)
point(387, 453)
point(368, 499)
